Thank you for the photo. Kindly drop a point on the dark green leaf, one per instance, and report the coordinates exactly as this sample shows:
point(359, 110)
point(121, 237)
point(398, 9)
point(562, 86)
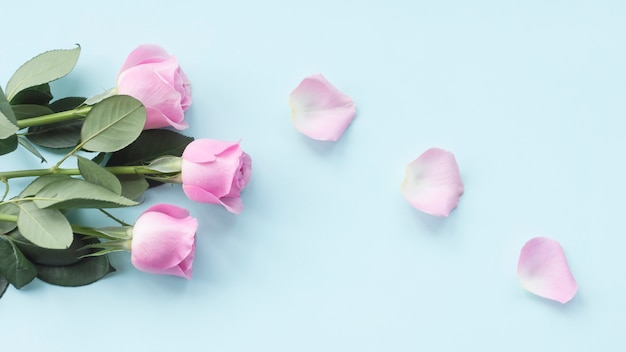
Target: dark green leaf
point(86, 271)
point(47, 228)
point(113, 124)
point(38, 95)
point(8, 145)
point(96, 174)
point(30, 147)
point(43, 68)
point(3, 285)
point(65, 104)
point(99, 158)
point(55, 257)
point(26, 111)
point(58, 135)
point(8, 209)
point(14, 266)
point(133, 186)
point(75, 193)
point(150, 145)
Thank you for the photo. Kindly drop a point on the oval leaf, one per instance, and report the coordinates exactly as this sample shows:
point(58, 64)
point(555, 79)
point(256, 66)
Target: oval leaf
point(30, 147)
point(55, 257)
point(113, 124)
point(26, 111)
point(39, 183)
point(67, 103)
point(7, 129)
point(96, 174)
point(100, 96)
point(8, 145)
point(43, 68)
point(8, 123)
point(14, 267)
point(75, 193)
point(65, 134)
point(133, 186)
point(38, 95)
point(144, 149)
point(47, 228)
point(8, 209)
point(85, 272)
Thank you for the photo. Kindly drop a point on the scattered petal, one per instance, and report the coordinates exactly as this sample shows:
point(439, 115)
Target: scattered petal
point(433, 182)
point(543, 270)
point(319, 110)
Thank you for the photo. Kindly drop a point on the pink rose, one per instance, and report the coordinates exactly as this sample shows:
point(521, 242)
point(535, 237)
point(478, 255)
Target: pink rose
point(164, 241)
point(215, 172)
point(154, 77)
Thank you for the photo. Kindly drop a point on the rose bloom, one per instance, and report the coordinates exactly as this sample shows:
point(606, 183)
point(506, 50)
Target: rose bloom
point(215, 172)
point(164, 241)
point(154, 77)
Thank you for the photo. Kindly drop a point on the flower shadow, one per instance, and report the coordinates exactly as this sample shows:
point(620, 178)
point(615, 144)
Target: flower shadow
point(435, 225)
point(325, 148)
point(575, 305)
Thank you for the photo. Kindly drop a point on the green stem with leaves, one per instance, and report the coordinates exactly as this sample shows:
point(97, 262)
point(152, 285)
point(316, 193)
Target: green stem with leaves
point(117, 170)
point(68, 115)
point(78, 229)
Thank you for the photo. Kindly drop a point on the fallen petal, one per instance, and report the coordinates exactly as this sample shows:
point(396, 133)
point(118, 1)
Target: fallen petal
point(433, 182)
point(543, 270)
point(319, 110)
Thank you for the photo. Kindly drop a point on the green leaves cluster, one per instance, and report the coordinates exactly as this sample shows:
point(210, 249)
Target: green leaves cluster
point(28, 95)
point(36, 238)
point(21, 262)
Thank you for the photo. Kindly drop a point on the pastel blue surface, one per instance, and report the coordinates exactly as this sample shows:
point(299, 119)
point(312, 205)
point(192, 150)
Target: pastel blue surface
point(327, 255)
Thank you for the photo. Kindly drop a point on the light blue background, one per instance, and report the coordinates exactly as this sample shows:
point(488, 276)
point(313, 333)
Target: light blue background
point(327, 255)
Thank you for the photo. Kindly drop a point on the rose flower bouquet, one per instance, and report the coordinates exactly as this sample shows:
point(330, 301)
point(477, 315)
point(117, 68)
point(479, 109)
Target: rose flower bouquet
point(119, 144)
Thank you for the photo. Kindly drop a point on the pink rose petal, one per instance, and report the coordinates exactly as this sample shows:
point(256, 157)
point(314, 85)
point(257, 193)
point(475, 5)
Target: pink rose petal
point(543, 270)
point(143, 54)
point(433, 182)
point(319, 110)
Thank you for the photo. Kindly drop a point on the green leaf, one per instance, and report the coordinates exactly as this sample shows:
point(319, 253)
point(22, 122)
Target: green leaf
point(8, 145)
point(96, 174)
point(86, 271)
point(117, 232)
point(150, 145)
point(14, 267)
point(47, 228)
point(43, 68)
point(55, 257)
point(8, 123)
point(133, 186)
point(93, 100)
point(7, 129)
point(57, 135)
point(65, 104)
point(99, 158)
point(113, 124)
point(3, 285)
point(76, 193)
point(30, 147)
point(167, 164)
point(8, 209)
point(39, 183)
point(38, 95)
point(25, 111)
